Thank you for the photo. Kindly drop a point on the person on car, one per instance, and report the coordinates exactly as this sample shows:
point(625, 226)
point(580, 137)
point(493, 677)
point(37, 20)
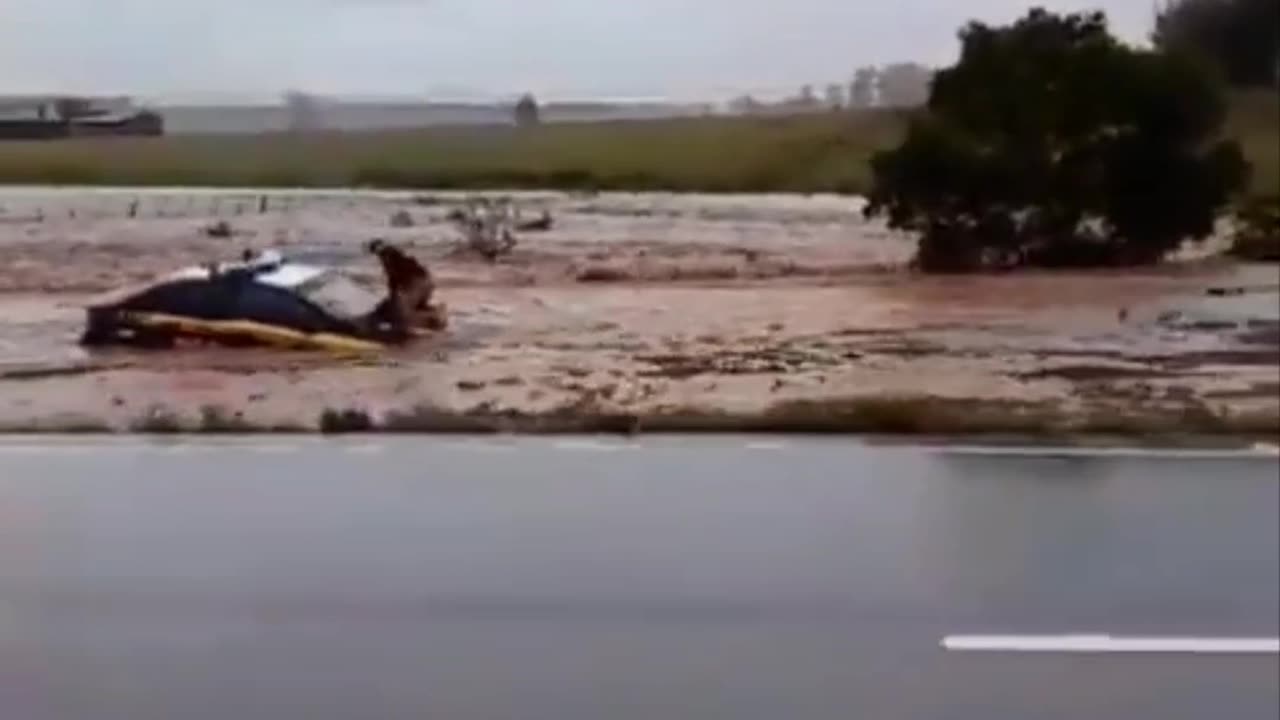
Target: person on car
point(409, 284)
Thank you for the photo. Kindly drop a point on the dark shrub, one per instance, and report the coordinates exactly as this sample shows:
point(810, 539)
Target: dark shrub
point(1052, 144)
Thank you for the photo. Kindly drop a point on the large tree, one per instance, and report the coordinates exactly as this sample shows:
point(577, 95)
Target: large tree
point(862, 91)
point(1051, 143)
point(1241, 36)
point(905, 85)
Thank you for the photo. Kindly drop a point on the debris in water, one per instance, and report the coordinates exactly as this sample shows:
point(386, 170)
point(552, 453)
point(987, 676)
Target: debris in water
point(402, 219)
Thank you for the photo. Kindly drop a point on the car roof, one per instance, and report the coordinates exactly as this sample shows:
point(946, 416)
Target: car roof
point(285, 275)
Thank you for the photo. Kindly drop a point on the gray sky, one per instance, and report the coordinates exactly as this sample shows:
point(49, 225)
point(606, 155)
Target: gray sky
point(681, 49)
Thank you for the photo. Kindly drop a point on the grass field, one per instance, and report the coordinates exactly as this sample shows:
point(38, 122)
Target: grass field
point(813, 153)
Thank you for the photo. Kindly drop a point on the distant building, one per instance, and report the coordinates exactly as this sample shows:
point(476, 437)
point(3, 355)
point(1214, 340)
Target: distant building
point(50, 117)
point(142, 123)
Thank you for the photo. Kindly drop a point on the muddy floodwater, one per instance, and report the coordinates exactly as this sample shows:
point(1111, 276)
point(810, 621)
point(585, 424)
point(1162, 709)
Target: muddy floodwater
point(632, 303)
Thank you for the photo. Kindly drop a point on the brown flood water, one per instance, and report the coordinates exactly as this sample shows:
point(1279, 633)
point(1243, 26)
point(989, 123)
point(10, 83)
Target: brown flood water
point(722, 302)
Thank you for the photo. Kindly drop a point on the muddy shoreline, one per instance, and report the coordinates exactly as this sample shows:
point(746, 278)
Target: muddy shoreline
point(640, 313)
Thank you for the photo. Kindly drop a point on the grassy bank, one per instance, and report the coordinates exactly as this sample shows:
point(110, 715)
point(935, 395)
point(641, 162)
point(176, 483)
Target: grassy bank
point(902, 416)
point(808, 153)
point(812, 153)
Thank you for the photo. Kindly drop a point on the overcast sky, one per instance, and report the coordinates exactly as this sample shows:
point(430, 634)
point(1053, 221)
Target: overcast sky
point(680, 49)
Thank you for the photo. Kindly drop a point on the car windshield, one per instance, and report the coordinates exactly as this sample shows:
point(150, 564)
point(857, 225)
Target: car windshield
point(339, 295)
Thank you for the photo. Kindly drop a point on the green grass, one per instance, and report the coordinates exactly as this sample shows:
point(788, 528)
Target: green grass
point(804, 153)
point(824, 152)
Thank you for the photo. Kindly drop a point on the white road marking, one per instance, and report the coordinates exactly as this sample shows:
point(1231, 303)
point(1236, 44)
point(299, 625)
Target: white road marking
point(1110, 644)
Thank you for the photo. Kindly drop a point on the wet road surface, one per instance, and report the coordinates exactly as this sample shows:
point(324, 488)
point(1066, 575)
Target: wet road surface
point(574, 578)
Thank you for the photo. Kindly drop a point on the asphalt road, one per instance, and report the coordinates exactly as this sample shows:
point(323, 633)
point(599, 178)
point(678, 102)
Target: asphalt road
point(565, 579)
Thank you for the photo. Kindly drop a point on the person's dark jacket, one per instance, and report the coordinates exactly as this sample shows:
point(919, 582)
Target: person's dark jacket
point(400, 269)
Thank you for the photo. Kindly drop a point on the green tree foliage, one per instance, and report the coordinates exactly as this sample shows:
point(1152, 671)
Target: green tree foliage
point(904, 85)
point(1241, 36)
point(862, 91)
point(1052, 144)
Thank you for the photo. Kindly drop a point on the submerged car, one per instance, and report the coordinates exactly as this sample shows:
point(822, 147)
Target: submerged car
point(263, 300)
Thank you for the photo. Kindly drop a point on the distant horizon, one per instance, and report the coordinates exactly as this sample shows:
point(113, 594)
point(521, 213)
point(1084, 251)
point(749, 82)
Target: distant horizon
point(673, 51)
point(237, 99)
point(262, 100)
point(217, 99)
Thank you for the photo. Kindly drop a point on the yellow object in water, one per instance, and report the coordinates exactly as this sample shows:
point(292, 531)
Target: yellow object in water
point(271, 335)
